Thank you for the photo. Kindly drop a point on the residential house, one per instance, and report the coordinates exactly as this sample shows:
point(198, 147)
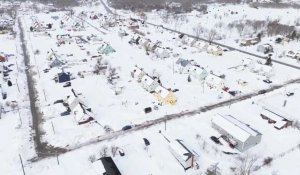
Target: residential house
point(202, 46)
point(265, 48)
point(162, 53)
point(138, 74)
point(109, 166)
point(240, 135)
point(249, 41)
point(214, 81)
point(149, 83)
point(106, 49)
point(165, 96)
point(135, 39)
point(198, 73)
point(184, 39)
point(182, 65)
point(152, 46)
point(56, 63)
point(63, 77)
point(278, 120)
point(133, 24)
point(82, 115)
point(214, 50)
point(182, 154)
point(72, 101)
point(293, 54)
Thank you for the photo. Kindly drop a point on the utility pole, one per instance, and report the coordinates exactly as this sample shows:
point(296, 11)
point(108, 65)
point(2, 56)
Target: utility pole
point(22, 164)
point(20, 116)
point(52, 127)
point(18, 85)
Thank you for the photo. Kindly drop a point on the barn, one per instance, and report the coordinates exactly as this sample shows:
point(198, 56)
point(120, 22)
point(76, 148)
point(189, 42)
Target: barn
point(241, 135)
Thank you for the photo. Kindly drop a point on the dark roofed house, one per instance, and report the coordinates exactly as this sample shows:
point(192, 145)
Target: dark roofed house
point(109, 166)
point(63, 77)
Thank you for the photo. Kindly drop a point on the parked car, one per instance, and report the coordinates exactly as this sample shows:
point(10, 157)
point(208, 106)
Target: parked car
point(267, 81)
point(290, 94)
point(215, 139)
point(262, 92)
point(235, 93)
point(67, 84)
point(127, 127)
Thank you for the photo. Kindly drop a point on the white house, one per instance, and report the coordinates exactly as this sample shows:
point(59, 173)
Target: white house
point(149, 83)
point(182, 154)
point(162, 53)
point(71, 101)
point(81, 115)
point(138, 74)
point(213, 81)
point(198, 73)
point(293, 54)
point(239, 134)
point(215, 50)
point(265, 48)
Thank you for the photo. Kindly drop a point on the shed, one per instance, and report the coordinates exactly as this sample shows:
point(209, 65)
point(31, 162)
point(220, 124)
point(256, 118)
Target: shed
point(243, 136)
point(182, 154)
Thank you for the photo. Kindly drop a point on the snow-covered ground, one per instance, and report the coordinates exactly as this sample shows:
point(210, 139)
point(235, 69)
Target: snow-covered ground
point(123, 102)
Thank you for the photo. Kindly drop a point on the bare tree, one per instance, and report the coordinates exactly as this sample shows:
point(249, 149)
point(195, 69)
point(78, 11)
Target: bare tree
point(198, 30)
point(104, 151)
point(211, 35)
point(112, 75)
point(213, 170)
point(246, 165)
point(114, 150)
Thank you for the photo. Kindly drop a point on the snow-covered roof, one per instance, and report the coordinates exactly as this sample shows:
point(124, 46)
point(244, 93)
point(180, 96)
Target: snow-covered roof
point(181, 150)
point(162, 91)
point(234, 127)
point(137, 72)
point(148, 80)
point(98, 167)
point(272, 116)
point(79, 114)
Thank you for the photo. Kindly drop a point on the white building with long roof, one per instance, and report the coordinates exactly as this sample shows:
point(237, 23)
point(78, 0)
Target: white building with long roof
point(242, 134)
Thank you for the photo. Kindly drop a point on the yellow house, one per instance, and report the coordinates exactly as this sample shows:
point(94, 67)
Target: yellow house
point(165, 96)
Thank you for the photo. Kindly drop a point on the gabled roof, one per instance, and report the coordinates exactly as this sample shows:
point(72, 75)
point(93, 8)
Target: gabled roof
point(234, 127)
